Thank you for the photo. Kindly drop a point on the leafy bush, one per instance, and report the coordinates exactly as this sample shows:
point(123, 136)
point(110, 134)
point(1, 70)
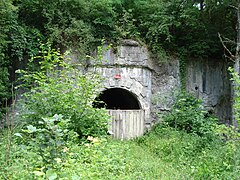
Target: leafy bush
point(236, 89)
point(188, 114)
point(60, 88)
point(49, 140)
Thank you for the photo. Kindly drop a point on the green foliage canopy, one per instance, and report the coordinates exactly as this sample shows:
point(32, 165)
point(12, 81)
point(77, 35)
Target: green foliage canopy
point(175, 25)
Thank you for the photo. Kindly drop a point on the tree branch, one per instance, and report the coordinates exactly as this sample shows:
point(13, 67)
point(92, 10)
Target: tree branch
point(234, 7)
point(232, 57)
point(227, 40)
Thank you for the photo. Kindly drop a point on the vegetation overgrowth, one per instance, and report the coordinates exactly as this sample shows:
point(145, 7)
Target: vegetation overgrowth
point(163, 153)
point(59, 135)
point(60, 88)
point(53, 140)
point(167, 27)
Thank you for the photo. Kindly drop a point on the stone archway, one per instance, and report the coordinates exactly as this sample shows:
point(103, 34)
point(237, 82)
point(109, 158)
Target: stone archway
point(117, 98)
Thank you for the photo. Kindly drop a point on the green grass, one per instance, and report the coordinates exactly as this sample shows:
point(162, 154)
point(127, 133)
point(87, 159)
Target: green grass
point(163, 153)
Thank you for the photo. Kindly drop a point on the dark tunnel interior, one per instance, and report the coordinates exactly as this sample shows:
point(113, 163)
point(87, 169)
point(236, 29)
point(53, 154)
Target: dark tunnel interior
point(116, 98)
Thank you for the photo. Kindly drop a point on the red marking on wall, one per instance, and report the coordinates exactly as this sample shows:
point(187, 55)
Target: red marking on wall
point(117, 76)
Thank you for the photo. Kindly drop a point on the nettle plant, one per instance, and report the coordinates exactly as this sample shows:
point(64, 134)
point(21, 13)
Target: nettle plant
point(58, 87)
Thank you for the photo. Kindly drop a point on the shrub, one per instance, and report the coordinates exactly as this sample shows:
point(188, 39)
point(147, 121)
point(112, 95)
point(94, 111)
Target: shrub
point(60, 88)
point(188, 114)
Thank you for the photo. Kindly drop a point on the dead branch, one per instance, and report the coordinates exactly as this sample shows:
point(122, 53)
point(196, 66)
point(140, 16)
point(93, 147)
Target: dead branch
point(234, 7)
point(227, 40)
point(232, 57)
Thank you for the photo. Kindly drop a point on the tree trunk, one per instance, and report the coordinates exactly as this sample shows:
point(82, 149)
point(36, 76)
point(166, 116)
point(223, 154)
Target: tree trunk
point(238, 38)
point(236, 63)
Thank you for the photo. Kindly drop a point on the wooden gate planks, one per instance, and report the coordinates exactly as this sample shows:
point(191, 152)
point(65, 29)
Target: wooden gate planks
point(126, 124)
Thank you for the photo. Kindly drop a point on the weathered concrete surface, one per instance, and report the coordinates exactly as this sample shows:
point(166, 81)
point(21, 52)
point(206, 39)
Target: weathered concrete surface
point(208, 79)
point(155, 82)
point(165, 84)
point(128, 68)
point(150, 81)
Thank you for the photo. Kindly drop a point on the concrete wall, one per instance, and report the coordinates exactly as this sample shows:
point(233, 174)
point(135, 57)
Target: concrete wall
point(208, 79)
point(165, 85)
point(155, 82)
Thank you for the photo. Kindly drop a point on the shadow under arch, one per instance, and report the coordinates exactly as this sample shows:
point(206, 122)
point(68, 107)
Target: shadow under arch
point(117, 98)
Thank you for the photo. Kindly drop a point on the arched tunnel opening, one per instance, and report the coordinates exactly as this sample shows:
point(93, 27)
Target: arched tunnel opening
point(117, 98)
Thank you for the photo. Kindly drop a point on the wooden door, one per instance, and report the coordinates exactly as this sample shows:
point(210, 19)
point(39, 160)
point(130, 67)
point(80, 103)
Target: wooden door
point(126, 124)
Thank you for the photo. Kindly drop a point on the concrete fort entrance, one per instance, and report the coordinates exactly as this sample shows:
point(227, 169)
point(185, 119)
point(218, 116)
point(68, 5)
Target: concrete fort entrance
point(125, 111)
point(139, 86)
point(132, 81)
point(127, 89)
